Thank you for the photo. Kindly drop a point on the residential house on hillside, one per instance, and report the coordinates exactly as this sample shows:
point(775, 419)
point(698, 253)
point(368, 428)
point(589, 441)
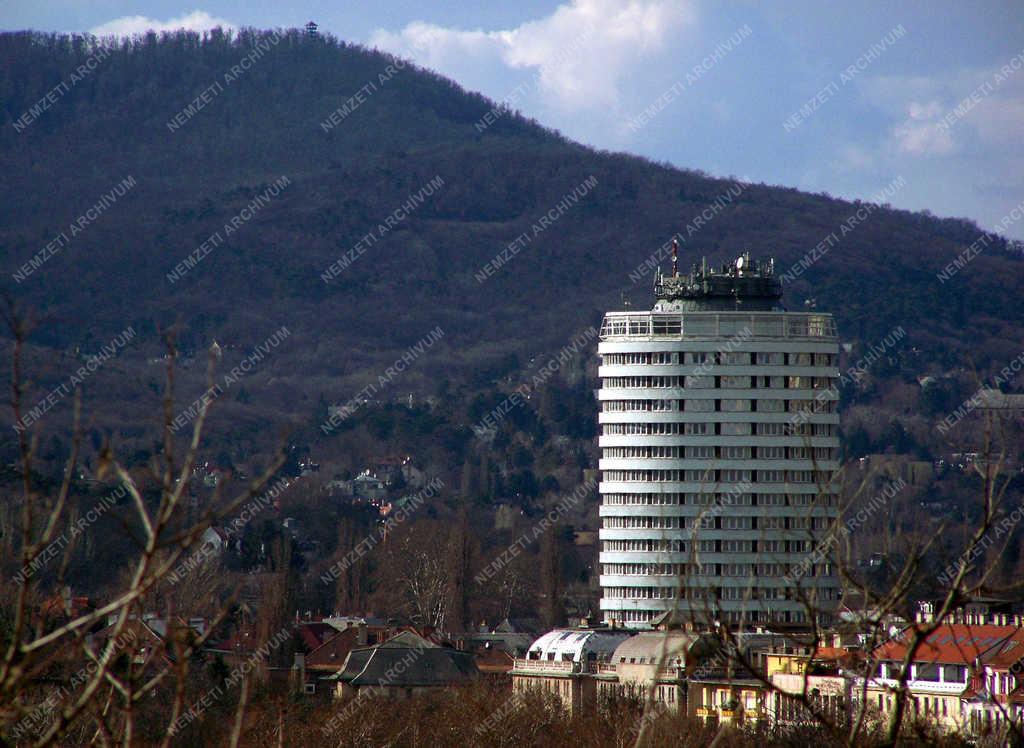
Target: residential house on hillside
point(728, 685)
point(414, 477)
point(565, 662)
point(505, 516)
point(368, 487)
point(495, 651)
point(327, 660)
point(995, 695)
point(147, 646)
point(859, 615)
point(313, 634)
point(63, 606)
point(819, 675)
point(210, 473)
point(213, 542)
point(405, 665)
point(150, 641)
point(943, 667)
point(163, 626)
point(655, 660)
point(375, 629)
point(237, 648)
point(389, 468)
point(495, 664)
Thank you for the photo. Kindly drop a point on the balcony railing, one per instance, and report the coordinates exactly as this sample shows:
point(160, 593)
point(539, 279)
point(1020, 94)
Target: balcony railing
point(732, 713)
point(923, 686)
point(551, 666)
point(672, 672)
point(717, 324)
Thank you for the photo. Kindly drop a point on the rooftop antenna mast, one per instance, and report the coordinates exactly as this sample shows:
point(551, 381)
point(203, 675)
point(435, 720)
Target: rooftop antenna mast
point(675, 257)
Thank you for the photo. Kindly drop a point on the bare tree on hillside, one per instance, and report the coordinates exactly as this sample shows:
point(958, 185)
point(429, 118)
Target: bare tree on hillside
point(85, 675)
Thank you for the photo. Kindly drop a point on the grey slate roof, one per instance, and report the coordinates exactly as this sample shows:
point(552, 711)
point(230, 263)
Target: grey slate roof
point(407, 660)
point(398, 668)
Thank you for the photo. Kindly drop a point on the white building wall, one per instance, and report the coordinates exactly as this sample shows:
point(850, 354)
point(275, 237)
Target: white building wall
point(729, 451)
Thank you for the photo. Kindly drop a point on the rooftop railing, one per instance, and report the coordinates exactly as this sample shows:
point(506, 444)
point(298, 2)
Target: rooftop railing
point(550, 666)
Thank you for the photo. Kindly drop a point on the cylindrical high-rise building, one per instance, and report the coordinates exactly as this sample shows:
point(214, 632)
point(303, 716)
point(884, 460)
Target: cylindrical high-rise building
point(718, 453)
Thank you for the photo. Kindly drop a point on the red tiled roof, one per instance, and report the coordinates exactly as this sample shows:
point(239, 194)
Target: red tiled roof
point(1007, 654)
point(56, 606)
point(493, 660)
point(313, 634)
point(332, 653)
point(955, 643)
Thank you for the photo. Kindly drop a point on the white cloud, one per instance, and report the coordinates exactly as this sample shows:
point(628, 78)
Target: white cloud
point(941, 114)
point(922, 138)
point(921, 133)
point(197, 20)
point(957, 136)
point(580, 52)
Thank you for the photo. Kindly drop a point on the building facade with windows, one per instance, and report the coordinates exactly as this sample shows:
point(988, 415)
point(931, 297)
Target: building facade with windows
point(651, 666)
point(719, 441)
point(566, 663)
point(962, 675)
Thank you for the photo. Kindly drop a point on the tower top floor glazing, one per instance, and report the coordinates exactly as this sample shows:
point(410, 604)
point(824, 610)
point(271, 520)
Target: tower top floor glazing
point(689, 325)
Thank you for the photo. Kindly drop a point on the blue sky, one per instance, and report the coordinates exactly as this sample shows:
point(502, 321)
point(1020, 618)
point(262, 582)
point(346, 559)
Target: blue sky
point(705, 85)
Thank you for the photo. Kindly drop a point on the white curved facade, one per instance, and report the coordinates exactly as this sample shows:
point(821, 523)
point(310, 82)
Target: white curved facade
point(719, 441)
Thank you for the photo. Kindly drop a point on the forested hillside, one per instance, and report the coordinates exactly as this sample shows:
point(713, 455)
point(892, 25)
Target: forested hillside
point(408, 128)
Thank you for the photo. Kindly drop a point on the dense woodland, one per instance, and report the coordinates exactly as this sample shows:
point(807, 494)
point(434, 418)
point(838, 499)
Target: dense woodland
point(345, 181)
